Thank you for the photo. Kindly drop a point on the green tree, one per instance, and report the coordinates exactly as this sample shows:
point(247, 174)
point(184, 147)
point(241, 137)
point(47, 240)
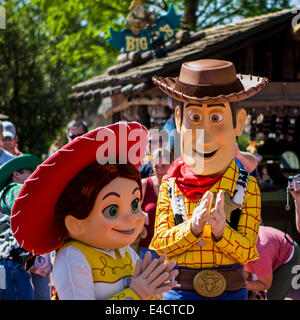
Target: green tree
point(47, 47)
point(33, 93)
point(200, 14)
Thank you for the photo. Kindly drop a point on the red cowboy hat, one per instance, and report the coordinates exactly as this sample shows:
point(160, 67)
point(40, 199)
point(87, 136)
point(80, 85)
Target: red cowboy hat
point(32, 219)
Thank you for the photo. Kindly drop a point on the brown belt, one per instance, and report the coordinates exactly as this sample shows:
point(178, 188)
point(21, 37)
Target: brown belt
point(211, 282)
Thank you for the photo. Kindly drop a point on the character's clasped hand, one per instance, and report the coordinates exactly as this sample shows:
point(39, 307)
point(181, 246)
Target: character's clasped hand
point(204, 214)
point(152, 279)
point(217, 218)
point(201, 214)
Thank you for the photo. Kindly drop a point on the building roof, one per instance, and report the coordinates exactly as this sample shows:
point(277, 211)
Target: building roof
point(134, 76)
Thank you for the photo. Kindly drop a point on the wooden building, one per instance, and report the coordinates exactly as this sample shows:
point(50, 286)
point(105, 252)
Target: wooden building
point(266, 45)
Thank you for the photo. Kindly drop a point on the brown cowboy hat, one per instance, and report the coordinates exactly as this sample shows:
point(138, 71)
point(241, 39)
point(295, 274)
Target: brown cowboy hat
point(208, 81)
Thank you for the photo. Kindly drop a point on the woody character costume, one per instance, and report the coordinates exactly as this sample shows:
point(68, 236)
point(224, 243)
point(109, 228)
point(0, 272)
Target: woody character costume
point(208, 210)
point(71, 204)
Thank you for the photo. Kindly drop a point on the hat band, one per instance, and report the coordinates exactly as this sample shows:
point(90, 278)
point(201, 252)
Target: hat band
point(201, 91)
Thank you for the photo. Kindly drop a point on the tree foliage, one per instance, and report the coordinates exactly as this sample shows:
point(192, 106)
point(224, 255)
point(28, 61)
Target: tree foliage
point(207, 13)
point(48, 46)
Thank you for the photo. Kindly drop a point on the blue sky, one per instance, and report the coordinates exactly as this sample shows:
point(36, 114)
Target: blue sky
point(296, 3)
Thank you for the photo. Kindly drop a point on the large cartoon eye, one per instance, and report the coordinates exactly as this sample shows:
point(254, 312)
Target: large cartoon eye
point(195, 117)
point(216, 117)
point(111, 211)
point(135, 205)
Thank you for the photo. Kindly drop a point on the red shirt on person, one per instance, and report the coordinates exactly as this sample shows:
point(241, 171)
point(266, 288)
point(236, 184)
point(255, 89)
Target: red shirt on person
point(149, 206)
point(274, 250)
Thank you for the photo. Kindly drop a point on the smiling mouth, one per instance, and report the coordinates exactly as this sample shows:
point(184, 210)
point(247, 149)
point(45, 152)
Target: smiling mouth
point(128, 232)
point(206, 155)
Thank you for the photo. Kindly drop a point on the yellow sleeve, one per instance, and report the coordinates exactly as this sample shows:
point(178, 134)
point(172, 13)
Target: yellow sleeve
point(129, 294)
point(169, 238)
point(126, 294)
point(241, 244)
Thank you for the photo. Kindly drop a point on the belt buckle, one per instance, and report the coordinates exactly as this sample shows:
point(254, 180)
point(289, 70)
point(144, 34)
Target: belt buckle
point(209, 283)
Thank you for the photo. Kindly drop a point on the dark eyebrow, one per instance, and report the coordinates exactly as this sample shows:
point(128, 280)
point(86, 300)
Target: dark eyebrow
point(208, 106)
point(216, 105)
point(137, 188)
point(111, 194)
point(192, 105)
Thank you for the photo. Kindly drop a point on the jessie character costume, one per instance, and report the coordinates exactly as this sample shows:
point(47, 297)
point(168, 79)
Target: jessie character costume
point(208, 210)
point(84, 201)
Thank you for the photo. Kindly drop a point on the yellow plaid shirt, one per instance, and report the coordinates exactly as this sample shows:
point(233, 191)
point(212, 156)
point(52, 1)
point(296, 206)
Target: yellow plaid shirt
point(235, 246)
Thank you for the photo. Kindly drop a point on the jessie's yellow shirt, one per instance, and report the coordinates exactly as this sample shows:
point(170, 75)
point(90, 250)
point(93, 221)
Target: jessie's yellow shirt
point(108, 271)
point(235, 246)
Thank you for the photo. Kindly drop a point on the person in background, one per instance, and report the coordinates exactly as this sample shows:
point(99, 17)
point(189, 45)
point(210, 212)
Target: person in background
point(4, 155)
point(15, 281)
point(263, 178)
point(10, 138)
point(75, 129)
point(278, 254)
point(161, 163)
point(246, 160)
point(296, 195)
point(20, 169)
point(146, 168)
point(40, 274)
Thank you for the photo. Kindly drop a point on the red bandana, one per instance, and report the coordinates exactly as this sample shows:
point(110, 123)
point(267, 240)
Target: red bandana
point(192, 186)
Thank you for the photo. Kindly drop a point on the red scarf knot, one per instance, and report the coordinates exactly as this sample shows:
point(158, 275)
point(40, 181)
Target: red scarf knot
point(192, 186)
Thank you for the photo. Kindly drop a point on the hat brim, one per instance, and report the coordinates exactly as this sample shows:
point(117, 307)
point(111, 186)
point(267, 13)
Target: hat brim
point(8, 134)
point(252, 85)
point(32, 219)
point(25, 161)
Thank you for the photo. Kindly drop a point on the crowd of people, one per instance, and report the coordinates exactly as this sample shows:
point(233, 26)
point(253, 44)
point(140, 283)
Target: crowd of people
point(268, 277)
point(27, 277)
